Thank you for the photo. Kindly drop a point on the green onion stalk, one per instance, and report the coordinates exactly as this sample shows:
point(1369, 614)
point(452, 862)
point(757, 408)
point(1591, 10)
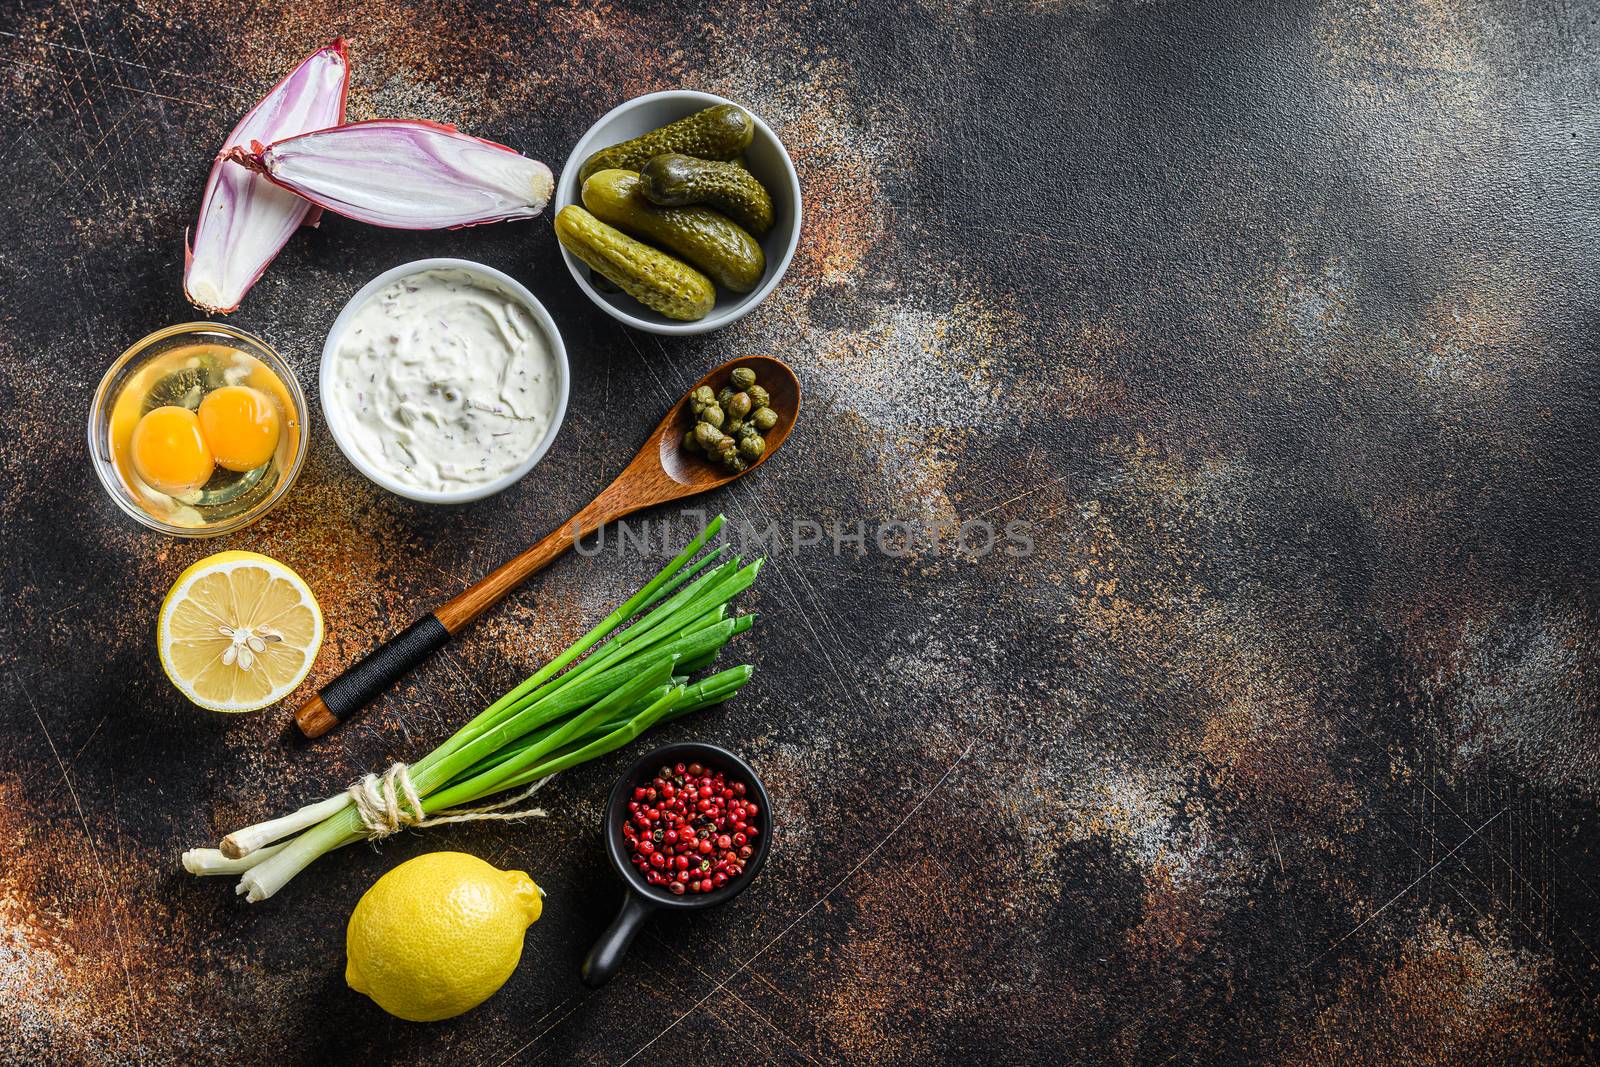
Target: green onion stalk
point(628, 674)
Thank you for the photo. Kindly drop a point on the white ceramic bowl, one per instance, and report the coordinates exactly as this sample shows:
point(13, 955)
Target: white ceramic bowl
point(336, 417)
point(768, 161)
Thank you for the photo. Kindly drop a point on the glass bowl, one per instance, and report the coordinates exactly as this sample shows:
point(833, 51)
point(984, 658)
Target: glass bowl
point(136, 358)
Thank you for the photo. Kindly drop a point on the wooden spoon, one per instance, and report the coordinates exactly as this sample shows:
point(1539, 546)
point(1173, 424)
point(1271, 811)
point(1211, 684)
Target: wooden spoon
point(662, 471)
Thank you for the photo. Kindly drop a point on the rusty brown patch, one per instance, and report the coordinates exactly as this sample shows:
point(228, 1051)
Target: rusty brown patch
point(1453, 997)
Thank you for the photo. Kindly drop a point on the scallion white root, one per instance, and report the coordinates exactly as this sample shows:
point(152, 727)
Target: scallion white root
point(242, 843)
point(210, 861)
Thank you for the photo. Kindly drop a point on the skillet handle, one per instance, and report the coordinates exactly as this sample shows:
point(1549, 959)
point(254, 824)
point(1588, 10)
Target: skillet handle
point(606, 956)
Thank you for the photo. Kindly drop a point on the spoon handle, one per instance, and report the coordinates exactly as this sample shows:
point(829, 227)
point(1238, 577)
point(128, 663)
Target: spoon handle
point(386, 664)
point(476, 599)
point(371, 675)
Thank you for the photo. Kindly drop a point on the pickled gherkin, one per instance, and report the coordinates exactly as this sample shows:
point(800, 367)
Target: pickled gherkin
point(651, 277)
point(676, 180)
point(705, 239)
point(721, 132)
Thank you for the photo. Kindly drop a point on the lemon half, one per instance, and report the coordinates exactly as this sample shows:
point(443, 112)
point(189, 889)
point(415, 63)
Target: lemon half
point(238, 631)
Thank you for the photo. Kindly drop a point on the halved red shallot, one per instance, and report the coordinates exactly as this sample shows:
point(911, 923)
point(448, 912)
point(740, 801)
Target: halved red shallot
point(409, 174)
point(245, 219)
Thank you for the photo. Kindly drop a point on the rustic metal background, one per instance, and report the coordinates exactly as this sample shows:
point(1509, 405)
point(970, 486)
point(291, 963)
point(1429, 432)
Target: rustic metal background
point(1278, 324)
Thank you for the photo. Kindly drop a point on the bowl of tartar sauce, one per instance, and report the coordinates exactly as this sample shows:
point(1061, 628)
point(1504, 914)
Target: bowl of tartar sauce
point(444, 380)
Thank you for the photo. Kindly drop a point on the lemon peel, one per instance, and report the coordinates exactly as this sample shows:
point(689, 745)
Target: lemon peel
point(439, 935)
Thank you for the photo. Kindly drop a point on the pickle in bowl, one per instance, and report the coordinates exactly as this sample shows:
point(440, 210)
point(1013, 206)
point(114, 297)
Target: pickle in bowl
point(706, 239)
point(650, 276)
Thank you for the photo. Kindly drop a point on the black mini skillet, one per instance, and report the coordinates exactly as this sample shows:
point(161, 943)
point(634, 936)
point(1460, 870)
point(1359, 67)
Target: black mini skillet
point(639, 898)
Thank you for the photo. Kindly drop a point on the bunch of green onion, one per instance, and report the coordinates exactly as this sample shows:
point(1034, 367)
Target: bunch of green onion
point(633, 678)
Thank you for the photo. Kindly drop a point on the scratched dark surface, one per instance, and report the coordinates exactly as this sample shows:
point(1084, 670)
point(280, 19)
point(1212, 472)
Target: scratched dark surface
point(1277, 324)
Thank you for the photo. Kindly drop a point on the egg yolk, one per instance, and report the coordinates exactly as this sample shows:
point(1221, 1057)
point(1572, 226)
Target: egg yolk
point(169, 452)
point(240, 426)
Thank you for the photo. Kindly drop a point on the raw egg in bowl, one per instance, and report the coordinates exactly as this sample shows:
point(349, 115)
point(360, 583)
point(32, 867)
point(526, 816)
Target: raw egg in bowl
point(198, 429)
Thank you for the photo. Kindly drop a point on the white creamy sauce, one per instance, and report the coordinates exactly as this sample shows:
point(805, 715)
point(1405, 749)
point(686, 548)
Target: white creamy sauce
point(444, 380)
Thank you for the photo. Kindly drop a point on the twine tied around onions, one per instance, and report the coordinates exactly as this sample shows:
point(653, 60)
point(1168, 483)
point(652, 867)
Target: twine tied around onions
point(388, 803)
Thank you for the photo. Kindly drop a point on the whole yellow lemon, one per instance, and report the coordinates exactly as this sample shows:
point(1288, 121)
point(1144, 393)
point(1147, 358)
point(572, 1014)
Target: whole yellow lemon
point(439, 934)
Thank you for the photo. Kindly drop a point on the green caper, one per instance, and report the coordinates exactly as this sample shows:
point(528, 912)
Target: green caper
point(759, 397)
point(746, 429)
point(738, 405)
point(703, 396)
point(724, 395)
point(690, 441)
point(752, 447)
point(743, 377)
point(733, 426)
point(706, 436)
point(712, 414)
point(764, 419)
point(736, 464)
